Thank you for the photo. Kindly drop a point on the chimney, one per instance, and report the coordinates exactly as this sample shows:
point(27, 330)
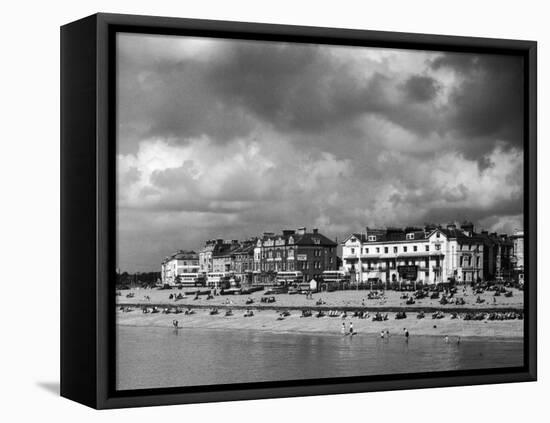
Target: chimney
point(315, 230)
point(287, 232)
point(467, 227)
point(301, 231)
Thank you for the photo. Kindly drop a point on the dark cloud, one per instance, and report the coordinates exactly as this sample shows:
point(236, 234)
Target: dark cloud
point(487, 106)
point(420, 88)
point(293, 88)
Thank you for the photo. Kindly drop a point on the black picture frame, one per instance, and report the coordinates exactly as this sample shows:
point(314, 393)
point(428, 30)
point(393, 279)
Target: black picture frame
point(88, 213)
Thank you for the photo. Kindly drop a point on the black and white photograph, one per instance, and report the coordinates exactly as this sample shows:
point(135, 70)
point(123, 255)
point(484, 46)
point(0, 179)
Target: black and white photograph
point(292, 211)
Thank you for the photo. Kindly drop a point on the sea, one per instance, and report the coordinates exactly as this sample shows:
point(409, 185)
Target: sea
point(158, 357)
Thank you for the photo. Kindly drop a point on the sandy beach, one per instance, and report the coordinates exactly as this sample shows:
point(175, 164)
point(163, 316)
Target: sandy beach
point(337, 299)
point(267, 320)
point(266, 314)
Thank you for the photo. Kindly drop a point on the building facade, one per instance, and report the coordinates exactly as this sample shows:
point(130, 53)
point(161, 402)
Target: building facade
point(234, 258)
point(310, 253)
point(518, 261)
point(428, 255)
point(497, 256)
point(180, 263)
point(212, 249)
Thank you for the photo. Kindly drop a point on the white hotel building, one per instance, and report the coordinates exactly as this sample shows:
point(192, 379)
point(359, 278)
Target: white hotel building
point(429, 255)
point(177, 265)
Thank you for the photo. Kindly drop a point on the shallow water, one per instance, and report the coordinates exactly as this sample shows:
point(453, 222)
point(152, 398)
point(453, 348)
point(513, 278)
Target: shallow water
point(154, 357)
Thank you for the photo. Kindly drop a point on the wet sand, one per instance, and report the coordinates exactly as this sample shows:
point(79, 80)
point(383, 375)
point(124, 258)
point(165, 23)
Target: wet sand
point(267, 320)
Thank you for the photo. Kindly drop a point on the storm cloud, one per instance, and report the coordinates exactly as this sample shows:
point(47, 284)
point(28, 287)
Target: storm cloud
point(226, 138)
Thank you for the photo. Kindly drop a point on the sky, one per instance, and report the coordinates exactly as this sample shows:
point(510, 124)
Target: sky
point(220, 138)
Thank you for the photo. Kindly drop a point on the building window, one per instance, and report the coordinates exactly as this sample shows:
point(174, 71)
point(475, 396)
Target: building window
point(367, 250)
point(410, 236)
point(405, 249)
point(386, 250)
point(427, 248)
point(415, 248)
point(395, 250)
point(372, 238)
point(353, 251)
point(438, 247)
point(377, 249)
point(438, 235)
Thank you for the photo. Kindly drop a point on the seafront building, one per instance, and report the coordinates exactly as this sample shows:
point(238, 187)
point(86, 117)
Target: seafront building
point(518, 255)
point(497, 256)
point(297, 256)
point(428, 255)
point(237, 259)
point(177, 265)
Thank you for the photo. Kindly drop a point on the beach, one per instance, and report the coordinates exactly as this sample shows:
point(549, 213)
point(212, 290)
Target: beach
point(272, 347)
point(336, 299)
point(268, 320)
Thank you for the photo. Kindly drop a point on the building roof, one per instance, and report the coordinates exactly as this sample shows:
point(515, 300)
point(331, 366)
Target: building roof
point(182, 255)
point(225, 249)
point(461, 237)
point(418, 234)
point(300, 238)
point(313, 239)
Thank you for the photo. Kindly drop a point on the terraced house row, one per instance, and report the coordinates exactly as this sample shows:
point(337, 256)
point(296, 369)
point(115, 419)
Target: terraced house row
point(432, 254)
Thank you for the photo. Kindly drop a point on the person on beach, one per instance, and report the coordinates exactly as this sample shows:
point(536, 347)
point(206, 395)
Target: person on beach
point(458, 341)
point(406, 334)
point(446, 339)
point(175, 323)
point(343, 329)
point(382, 333)
point(351, 328)
point(387, 333)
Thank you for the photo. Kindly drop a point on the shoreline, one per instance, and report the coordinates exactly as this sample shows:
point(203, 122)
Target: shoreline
point(267, 321)
point(287, 332)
